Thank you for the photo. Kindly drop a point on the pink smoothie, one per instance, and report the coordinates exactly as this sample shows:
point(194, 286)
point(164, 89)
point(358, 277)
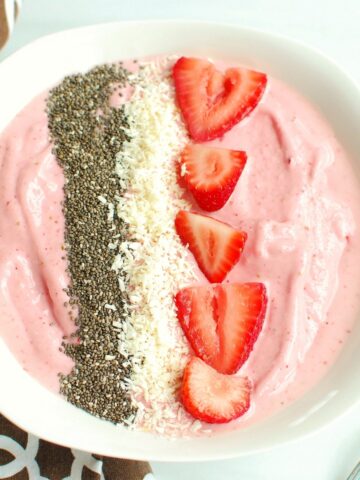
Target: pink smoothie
point(32, 265)
point(299, 202)
point(297, 199)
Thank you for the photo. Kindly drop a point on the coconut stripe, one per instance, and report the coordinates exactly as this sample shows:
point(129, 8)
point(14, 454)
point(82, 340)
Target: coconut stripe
point(155, 262)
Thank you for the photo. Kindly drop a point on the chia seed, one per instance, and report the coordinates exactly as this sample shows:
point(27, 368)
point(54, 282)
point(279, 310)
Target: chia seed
point(87, 134)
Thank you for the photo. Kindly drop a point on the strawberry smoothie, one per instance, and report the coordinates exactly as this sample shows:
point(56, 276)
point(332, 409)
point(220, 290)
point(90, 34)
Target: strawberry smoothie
point(299, 202)
point(297, 199)
point(32, 271)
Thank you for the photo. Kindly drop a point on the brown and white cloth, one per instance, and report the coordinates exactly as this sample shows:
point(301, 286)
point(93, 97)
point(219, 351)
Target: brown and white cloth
point(26, 457)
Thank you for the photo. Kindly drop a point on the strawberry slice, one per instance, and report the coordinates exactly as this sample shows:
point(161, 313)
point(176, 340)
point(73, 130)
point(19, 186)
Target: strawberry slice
point(212, 397)
point(211, 174)
point(222, 322)
point(215, 245)
point(212, 102)
point(198, 319)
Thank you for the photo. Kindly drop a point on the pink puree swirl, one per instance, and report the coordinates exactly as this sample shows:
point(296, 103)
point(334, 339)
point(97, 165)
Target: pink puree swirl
point(32, 271)
point(297, 199)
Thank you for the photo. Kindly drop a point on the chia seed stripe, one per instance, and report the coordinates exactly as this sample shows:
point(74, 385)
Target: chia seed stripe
point(87, 134)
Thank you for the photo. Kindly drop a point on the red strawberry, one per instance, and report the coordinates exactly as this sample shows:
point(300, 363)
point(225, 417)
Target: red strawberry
point(212, 397)
point(215, 245)
point(212, 102)
point(198, 318)
point(211, 174)
point(222, 322)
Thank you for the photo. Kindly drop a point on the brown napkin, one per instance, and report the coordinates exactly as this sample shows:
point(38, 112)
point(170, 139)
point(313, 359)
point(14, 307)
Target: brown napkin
point(25, 457)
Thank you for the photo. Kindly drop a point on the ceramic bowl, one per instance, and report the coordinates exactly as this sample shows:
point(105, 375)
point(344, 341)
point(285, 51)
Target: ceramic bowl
point(44, 62)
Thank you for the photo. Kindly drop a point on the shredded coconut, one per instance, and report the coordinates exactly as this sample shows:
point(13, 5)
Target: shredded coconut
point(154, 264)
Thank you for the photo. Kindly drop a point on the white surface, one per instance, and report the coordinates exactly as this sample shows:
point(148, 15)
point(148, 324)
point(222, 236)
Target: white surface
point(330, 25)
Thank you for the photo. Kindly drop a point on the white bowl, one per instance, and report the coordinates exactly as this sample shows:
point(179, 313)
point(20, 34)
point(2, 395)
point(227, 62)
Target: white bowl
point(44, 62)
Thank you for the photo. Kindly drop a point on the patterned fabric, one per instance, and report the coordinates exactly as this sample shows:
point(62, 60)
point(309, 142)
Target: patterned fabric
point(25, 457)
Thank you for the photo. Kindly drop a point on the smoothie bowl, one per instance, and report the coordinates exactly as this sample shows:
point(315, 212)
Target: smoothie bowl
point(180, 240)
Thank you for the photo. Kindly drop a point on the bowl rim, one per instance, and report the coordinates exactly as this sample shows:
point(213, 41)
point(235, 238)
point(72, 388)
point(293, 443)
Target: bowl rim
point(38, 429)
point(295, 41)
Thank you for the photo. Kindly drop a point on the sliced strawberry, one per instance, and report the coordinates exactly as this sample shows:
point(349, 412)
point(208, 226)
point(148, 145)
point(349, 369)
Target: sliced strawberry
point(195, 311)
point(211, 174)
point(211, 396)
point(222, 322)
point(241, 312)
point(212, 102)
point(215, 245)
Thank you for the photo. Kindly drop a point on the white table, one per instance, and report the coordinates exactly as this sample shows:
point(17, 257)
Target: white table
point(333, 27)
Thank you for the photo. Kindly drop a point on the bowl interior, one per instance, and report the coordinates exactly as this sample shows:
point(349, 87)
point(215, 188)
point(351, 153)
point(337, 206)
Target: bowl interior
point(44, 62)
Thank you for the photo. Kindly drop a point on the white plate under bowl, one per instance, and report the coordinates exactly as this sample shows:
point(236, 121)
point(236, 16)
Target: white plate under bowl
point(46, 61)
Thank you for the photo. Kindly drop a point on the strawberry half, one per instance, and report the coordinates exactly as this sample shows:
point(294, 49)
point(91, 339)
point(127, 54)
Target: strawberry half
point(211, 174)
point(215, 245)
point(222, 322)
point(212, 102)
point(212, 397)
